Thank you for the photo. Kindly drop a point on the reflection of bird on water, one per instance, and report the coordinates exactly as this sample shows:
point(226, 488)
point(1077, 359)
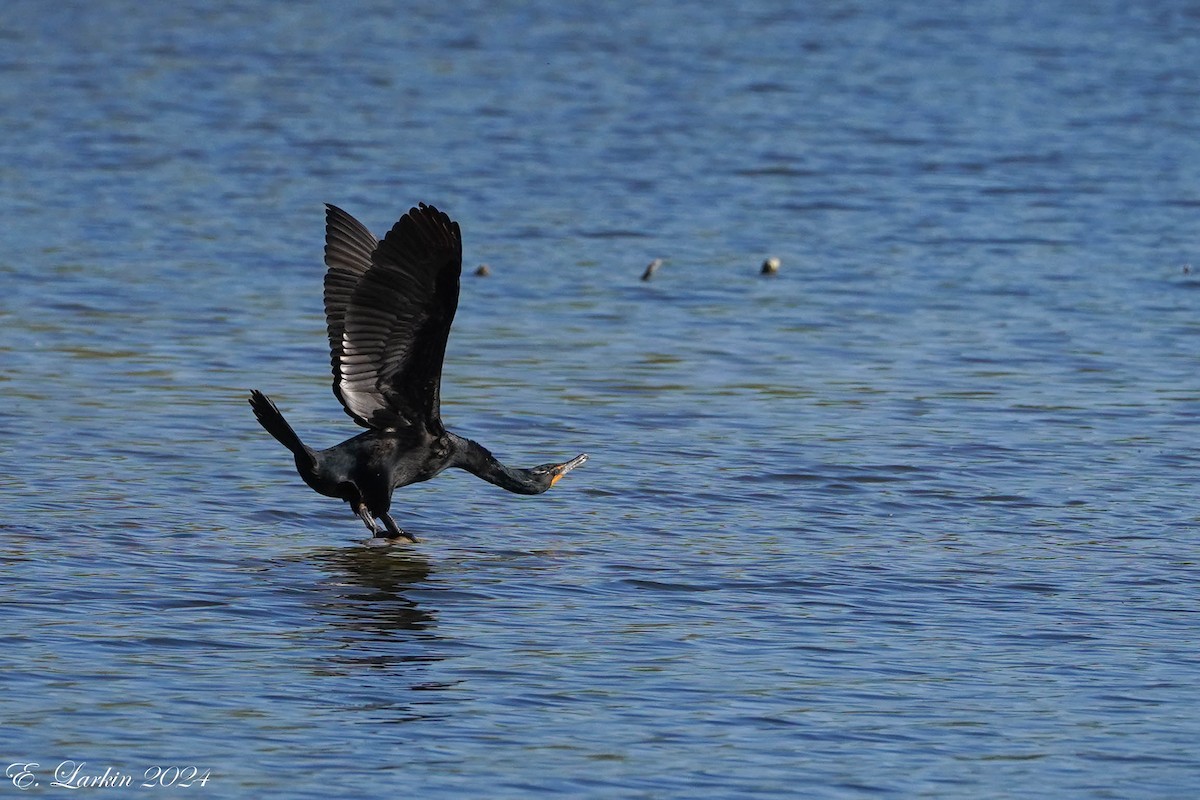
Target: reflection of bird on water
point(370, 588)
point(389, 305)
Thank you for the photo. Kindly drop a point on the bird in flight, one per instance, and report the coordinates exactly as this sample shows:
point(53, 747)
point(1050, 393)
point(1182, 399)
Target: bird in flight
point(389, 305)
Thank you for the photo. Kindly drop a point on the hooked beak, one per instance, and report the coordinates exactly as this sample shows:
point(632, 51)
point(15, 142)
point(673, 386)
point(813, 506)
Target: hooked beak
point(563, 469)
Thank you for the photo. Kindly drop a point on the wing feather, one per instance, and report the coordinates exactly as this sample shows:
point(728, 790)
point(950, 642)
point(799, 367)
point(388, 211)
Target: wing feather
point(396, 319)
point(348, 249)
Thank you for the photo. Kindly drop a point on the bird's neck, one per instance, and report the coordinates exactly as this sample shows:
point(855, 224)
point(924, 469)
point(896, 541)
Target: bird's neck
point(478, 460)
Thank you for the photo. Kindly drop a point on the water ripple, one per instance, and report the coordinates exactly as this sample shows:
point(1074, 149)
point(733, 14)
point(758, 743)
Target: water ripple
point(911, 517)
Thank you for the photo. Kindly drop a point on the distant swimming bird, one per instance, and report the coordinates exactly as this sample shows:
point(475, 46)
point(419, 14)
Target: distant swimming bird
point(483, 270)
point(770, 266)
point(651, 268)
point(389, 305)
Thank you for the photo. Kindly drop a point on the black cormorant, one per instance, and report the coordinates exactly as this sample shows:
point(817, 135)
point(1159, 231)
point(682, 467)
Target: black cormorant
point(389, 305)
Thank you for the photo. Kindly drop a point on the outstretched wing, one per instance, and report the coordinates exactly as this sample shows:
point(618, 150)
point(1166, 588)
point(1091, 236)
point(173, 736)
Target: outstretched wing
point(348, 249)
point(388, 364)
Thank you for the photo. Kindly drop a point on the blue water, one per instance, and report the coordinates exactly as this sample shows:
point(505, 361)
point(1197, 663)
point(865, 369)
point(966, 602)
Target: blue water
point(915, 517)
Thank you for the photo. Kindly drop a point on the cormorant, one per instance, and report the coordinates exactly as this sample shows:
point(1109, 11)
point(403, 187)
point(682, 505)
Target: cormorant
point(389, 305)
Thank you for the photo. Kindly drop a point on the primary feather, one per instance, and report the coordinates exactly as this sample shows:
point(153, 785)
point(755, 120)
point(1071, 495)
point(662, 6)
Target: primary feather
point(389, 305)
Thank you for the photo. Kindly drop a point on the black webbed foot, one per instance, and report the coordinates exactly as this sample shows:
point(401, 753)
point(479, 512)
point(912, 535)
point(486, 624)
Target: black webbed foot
point(394, 530)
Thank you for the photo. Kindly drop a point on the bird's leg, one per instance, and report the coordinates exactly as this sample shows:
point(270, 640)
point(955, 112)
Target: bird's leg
point(394, 530)
point(368, 520)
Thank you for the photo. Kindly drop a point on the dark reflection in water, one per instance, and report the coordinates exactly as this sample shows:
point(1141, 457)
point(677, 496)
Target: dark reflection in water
point(364, 626)
point(367, 590)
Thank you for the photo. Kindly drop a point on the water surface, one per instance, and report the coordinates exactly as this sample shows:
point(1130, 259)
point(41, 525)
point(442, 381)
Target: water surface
point(914, 518)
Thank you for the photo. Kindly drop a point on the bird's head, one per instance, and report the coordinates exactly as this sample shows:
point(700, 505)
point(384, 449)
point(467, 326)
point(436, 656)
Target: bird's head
point(543, 477)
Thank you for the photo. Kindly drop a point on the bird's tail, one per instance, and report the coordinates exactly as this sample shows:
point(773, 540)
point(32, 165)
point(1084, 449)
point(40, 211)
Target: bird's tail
point(274, 423)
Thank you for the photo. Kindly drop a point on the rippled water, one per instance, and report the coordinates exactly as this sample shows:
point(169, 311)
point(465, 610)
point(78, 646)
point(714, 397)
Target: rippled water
point(914, 518)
